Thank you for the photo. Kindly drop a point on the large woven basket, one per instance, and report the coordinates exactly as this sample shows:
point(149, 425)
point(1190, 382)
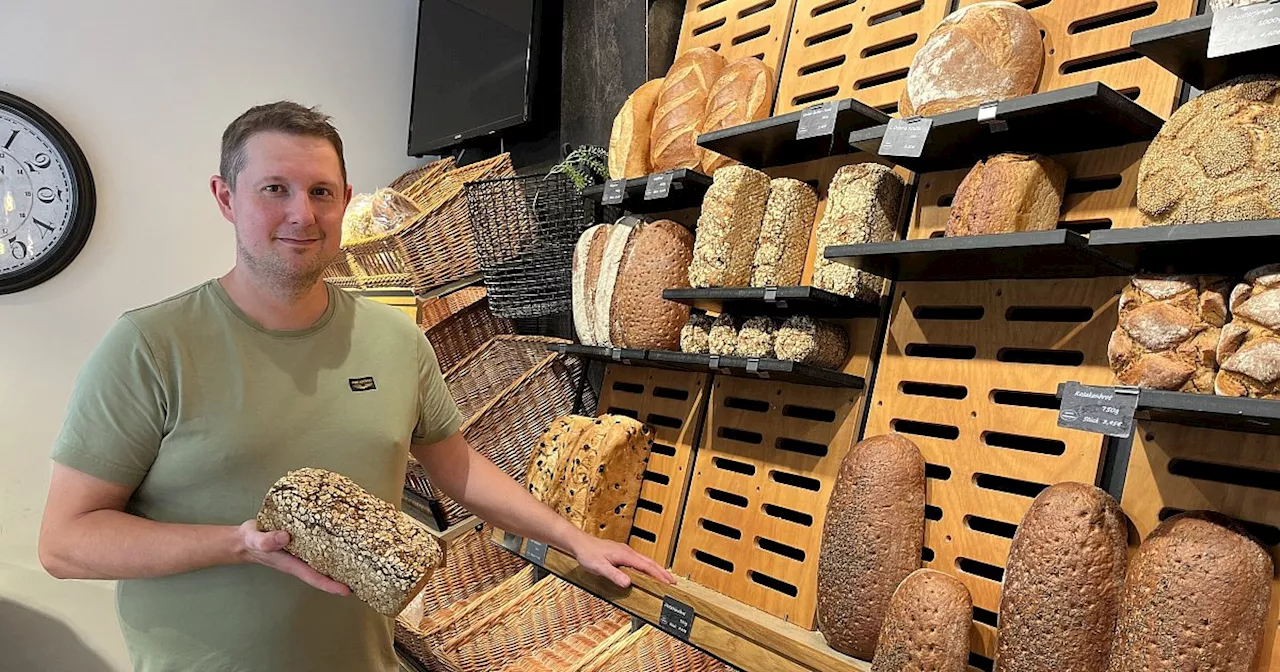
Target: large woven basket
point(551, 627)
point(339, 272)
point(477, 579)
point(408, 181)
point(509, 391)
point(434, 311)
point(651, 650)
point(458, 336)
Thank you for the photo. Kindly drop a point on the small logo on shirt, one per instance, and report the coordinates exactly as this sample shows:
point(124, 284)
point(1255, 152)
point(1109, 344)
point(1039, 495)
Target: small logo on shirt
point(362, 384)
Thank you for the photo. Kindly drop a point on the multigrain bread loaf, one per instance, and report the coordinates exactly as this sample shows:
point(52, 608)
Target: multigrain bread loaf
point(1063, 582)
point(729, 228)
point(695, 335)
point(926, 628)
point(682, 103)
point(741, 94)
point(1195, 598)
point(1008, 193)
point(808, 341)
point(344, 532)
point(863, 203)
point(722, 338)
point(1249, 348)
point(755, 338)
point(629, 139)
point(871, 540)
point(983, 52)
point(1215, 159)
point(1168, 332)
point(784, 234)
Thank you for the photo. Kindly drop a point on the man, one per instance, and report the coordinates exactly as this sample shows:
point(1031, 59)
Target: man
point(191, 408)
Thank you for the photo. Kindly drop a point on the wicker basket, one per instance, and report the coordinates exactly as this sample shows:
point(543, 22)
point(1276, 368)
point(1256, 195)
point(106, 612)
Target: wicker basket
point(339, 273)
point(413, 175)
point(552, 627)
point(456, 337)
point(434, 311)
point(510, 391)
point(478, 578)
point(651, 650)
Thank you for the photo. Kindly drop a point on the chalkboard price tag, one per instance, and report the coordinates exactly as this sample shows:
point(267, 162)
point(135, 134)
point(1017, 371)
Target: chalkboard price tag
point(906, 137)
point(676, 618)
point(1238, 29)
point(817, 121)
point(511, 542)
point(614, 192)
point(1104, 410)
point(535, 552)
point(658, 186)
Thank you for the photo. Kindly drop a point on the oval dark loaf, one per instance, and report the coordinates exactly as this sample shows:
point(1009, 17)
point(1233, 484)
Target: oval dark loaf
point(871, 540)
point(927, 627)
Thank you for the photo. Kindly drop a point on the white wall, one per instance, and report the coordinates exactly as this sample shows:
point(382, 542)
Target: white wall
point(146, 88)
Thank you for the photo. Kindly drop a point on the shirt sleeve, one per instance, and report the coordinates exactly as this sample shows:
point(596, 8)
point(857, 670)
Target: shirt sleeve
point(115, 418)
point(438, 414)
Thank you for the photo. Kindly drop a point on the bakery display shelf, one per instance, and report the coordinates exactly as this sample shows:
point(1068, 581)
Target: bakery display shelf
point(740, 635)
point(620, 355)
point(1061, 253)
point(1219, 248)
point(1074, 119)
point(419, 509)
point(772, 142)
point(773, 301)
point(687, 189)
point(1182, 47)
point(739, 367)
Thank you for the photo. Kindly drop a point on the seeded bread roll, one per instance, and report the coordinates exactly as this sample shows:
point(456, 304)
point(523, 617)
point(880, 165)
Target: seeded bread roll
point(1063, 582)
point(863, 204)
point(755, 338)
point(743, 93)
point(1008, 193)
point(1168, 332)
point(351, 536)
point(629, 139)
point(723, 338)
point(927, 626)
point(696, 333)
point(656, 257)
point(678, 116)
point(871, 540)
point(1249, 348)
point(808, 341)
point(1195, 598)
point(729, 228)
point(784, 234)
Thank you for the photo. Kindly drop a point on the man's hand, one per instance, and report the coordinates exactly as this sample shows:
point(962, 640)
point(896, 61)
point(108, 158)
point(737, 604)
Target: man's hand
point(267, 548)
point(603, 558)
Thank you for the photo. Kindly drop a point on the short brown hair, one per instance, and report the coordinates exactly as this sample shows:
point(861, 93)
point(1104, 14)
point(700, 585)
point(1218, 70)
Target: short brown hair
point(281, 117)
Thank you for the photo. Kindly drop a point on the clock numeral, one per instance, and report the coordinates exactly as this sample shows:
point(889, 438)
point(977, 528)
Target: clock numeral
point(12, 136)
point(19, 248)
point(42, 161)
point(47, 195)
point(42, 225)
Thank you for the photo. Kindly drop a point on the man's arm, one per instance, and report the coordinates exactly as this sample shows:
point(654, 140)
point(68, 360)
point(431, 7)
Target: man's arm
point(85, 534)
point(476, 483)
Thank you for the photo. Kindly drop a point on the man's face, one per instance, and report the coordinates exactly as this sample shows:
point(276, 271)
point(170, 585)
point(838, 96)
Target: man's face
point(287, 208)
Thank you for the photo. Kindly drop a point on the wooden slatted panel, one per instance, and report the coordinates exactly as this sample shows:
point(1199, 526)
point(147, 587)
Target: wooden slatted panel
point(738, 28)
point(1247, 490)
point(673, 403)
point(987, 426)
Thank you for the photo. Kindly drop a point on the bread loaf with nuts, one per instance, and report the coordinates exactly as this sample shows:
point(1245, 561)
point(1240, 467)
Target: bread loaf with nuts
point(1168, 332)
point(863, 205)
point(808, 341)
point(681, 107)
point(784, 234)
point(926, 627)
point(722, 339)
point(1249, 348)
point(728, 228)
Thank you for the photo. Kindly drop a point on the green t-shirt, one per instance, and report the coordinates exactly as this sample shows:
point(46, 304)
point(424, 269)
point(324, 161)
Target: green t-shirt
point(201, 409)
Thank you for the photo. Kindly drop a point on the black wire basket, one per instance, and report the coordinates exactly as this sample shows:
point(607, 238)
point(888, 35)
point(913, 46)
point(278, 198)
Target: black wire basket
point(525, 231)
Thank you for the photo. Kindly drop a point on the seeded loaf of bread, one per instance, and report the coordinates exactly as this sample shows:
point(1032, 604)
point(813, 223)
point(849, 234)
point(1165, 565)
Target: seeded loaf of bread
point(784, 234)
point(342, 531)
point(743, 93)
point(547, 469)
point(1195, 598)
point(808, 341)
point(681, 108)
point(926, 628)
point(755, 338)
point(722, 339)
point(695, 335)
point(871, 540)
point(629, 139)
point(1008, 193)
point(1168, 332)
point(1249, 348)
point(863, 204)
point(729, 228)
point(1063, 582)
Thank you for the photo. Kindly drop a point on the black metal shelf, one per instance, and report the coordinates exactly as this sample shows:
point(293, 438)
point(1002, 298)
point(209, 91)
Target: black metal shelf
point(1032, 255)
point(1182, 47)
point(738, 367)
point(773, 301)
point(1219, 248)
point(772, 142)
point(1232, 414)
point(687, 189)
point(1075, 119)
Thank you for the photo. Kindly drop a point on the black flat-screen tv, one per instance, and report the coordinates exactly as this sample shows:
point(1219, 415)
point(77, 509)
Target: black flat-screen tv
point(474, 71)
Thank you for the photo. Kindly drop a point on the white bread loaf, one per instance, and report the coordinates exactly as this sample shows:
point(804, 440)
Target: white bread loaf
point(742, 93)
point(587, 255)
point(784, 234)
point(682, 102)
point(1248, 351)
point(729, 228)
point(863, 205)
point(1168, 331)
point(629, 139)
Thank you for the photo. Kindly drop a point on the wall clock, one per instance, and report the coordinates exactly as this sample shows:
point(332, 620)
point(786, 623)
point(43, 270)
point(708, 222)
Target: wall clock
point(47, 197)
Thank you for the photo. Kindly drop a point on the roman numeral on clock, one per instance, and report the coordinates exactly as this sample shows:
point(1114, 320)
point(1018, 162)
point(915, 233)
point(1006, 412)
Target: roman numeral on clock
point(12, 136)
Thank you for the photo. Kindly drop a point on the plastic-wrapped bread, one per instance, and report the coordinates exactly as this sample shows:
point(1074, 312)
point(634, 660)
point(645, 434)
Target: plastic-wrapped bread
point(391, 210)
point(722, 339)
point(808, 341)
point(755, 338)
point(1168, 332)
point(695, 335)
point(863, 204)
point(927, 626)
point(728, 228)
point(342, 531)
point(784, 234)
point(1249, 349)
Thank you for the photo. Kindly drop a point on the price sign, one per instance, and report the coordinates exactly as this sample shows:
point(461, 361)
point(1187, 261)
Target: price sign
point(1239, 29)
point(676, 618)
point(905, 137)
point(658, 186)
point(535, 552)
point(614, 192)
point(1104, 410)
point(511, 542)
point(817, 121)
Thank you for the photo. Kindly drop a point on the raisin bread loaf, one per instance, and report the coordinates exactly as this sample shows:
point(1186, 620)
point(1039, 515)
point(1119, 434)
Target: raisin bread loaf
point(808, 341)
point(1008, 193)
point(547, 470)
point(1249, 348)
point(926, 627)
point(863, 204)
point(784, 234)
point(729, 227)
point(1168, 332)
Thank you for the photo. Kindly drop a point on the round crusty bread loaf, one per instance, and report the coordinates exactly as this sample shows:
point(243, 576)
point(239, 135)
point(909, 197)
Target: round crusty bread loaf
point(1196, 598)
point(629, 138)
point(1249, 348)
point(871, 540)
point(1168, 331)
point(657, 257)
point(682, 102)
point(741, 94)
point(980, 53)
point(1063, 582)
point(927, 626)
point(1008, 193)
point(1216, 159)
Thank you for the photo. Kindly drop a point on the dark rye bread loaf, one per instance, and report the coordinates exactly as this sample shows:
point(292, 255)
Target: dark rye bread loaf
point(871, 540)
point(1195, 599)
point(927, 627)
point(1063, 582)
